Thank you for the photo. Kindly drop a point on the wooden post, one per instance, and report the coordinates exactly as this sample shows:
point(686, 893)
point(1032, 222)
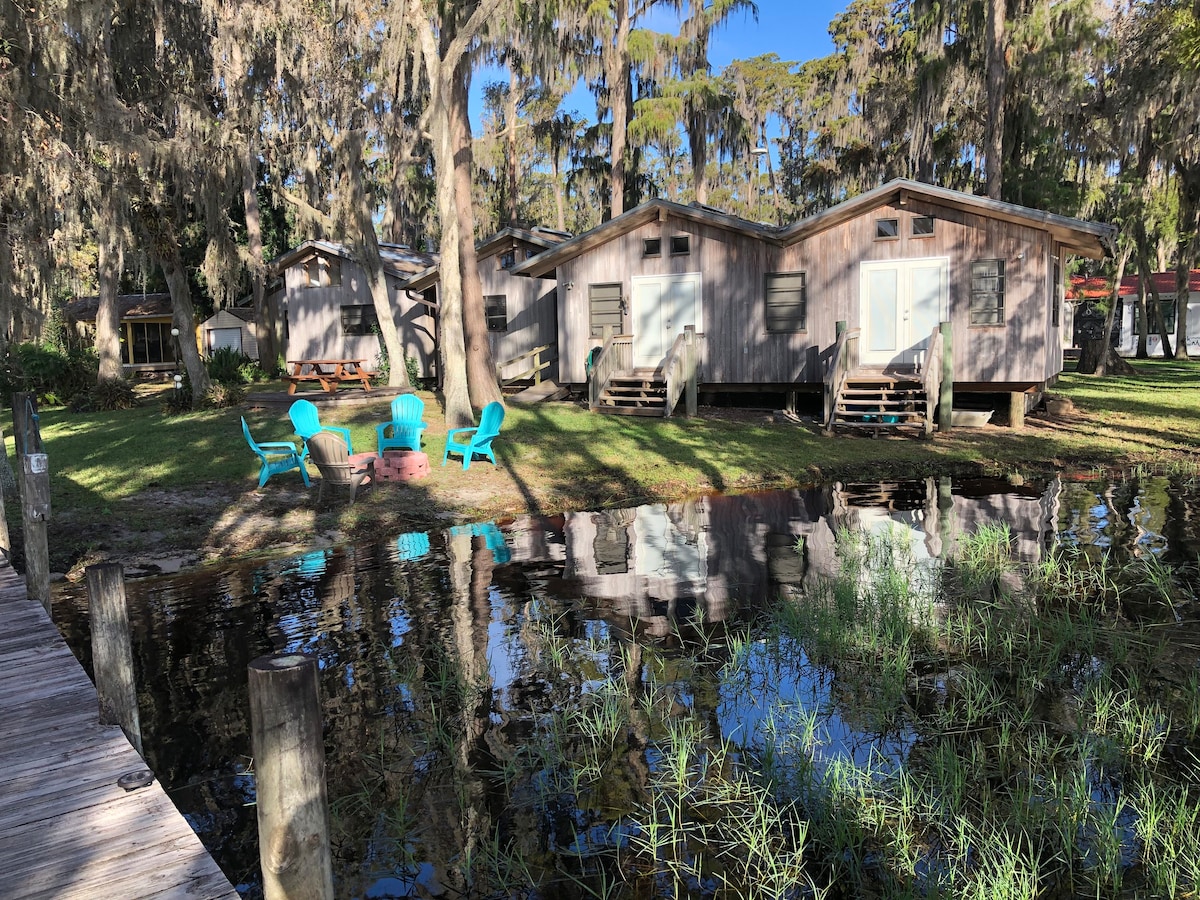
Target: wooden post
point(946, 396)
point(112, 650)
point(1016, 410)
point(27, 437)
point(839, 328)
point(689, 371)
point(289, 766)
point(35, 512)
point(5, 537)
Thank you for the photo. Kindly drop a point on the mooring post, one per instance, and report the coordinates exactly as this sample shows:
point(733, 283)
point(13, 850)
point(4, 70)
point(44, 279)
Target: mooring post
point(5, 471)
point(35, 497)
point(946, 396)
point(112, 650)
point(689, 356)
point(289, 770)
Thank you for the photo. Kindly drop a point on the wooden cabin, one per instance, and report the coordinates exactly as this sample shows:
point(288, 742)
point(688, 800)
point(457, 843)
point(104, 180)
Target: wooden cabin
point(522, 313)
point(765, 302)
point(147, 345)
point(329, 313)
point(233, 328)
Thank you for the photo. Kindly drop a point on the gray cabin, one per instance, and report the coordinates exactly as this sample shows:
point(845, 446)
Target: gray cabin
point(860, 289)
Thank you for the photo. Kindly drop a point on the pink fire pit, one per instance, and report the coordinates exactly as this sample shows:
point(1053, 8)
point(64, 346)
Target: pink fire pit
point(401, 465)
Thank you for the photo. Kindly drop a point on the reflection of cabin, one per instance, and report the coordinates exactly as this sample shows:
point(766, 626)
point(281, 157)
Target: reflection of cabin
point(329, 312)
point(146, 341)
point(522, 313)
point(892, 264)
point(1087, 293)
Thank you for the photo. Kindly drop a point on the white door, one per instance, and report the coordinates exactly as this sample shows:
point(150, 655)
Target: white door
point(662, 305)
point(903, 301)
point(220, 338)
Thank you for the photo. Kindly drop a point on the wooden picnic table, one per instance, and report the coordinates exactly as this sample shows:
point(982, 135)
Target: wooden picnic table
point(331, 373)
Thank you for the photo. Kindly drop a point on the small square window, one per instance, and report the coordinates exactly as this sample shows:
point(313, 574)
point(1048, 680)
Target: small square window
point(652, 247)
point(680, 244)
point(359, 319)
point(887, 229)
point(495, 310)
point(530, 253)
point(922, 226)
point(508, 259)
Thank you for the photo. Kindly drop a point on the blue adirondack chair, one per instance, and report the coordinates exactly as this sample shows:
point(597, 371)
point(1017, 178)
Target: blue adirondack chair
point(406, 425)
point(275, 457)
point(479, 439)
point(307, 422)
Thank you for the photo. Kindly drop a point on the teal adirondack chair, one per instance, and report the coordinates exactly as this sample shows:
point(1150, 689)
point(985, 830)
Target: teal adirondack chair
point(275, 457)
point(406, 425)
point(479, 439)
point(307, 422)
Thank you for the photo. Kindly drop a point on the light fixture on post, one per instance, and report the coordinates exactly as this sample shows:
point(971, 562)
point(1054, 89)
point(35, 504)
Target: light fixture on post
point(175, 352)
point(758, 152)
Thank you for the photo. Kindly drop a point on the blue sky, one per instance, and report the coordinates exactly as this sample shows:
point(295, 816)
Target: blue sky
point(796, 30)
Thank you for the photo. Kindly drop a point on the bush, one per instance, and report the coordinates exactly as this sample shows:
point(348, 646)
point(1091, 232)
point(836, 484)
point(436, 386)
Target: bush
point(177, 401)
point(113, 393)
point(223, 395)
point(251, 372)
point(54, 375)
point(225, 365)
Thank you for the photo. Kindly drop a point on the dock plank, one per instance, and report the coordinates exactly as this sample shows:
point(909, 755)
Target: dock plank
point(67, 830)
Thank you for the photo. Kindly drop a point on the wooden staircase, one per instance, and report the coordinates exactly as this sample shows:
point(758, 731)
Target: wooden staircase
point(881, 402)
point(642, 392)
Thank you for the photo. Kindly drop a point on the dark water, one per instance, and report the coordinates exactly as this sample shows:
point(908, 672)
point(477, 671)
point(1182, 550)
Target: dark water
point(443, 653)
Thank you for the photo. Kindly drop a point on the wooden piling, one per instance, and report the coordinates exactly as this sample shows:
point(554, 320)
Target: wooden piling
point(35, 512)
point(112, 650)
point(946, 396)
point(690, 368)
point(289, 767)
point(1016, 410)
point(5, 537)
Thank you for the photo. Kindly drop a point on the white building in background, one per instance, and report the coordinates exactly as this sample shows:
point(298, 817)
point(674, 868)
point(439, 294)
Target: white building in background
point(1126, 325)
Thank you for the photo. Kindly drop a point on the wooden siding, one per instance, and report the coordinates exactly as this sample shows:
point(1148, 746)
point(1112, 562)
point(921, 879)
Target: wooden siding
point(315, 322)
point(737, 349)
point(532, 309)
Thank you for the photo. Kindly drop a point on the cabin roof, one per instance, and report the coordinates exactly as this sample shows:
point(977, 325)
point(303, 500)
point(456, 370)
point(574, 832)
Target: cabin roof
point(545, 262)
point(398, 260)
point(131, 306)
point(1090, 239)
point(1097, 287)
point(542, 238)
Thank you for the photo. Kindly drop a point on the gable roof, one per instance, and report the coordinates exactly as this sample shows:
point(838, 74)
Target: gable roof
point(398, 260)
point(542, 238)
point(1089, 239)
point(659, 209)
point(131, 306)
point(1098, 287)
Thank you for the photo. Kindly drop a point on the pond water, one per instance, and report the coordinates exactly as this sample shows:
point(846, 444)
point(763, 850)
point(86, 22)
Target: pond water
point(455, 663)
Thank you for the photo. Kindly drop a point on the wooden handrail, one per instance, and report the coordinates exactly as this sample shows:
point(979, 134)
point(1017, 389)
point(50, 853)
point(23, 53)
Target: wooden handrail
point(535, 372)
point(842, 362)
point(615, 355)
point(673, 374)
point(932, 377)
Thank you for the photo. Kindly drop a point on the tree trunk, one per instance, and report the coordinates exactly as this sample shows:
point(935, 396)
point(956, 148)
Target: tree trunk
point(1096, 356)
point(8, 290)
point(267, 333)
point(1189, 241)
point(509, 215)
point(698, 148)
point(183, 313)
point(1143, 326)
point(108, 314)
point(994, 134)
point(482, 385)
point(560, 200)
point(620, 91)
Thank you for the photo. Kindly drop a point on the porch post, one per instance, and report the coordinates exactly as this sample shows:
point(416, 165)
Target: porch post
point(1016, 410)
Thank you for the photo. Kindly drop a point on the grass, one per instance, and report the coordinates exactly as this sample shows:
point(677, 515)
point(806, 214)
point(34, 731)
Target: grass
point(175, 481)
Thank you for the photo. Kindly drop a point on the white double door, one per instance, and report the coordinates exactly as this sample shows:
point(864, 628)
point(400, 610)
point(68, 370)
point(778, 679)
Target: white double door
point(902, 302)
point(662, 306)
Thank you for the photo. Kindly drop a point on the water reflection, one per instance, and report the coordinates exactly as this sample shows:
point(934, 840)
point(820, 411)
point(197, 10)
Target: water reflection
point(444, 654)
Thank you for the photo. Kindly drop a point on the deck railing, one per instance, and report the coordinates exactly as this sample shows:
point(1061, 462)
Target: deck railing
point(616, 355)
point(534, 371)
point(932, 377)
point(679, 370)
point(842, 362)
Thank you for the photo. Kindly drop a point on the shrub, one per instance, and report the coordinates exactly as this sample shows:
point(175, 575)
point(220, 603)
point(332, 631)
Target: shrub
point(54, 375)
point(251, 372)
point(225, 365)
point(113, 393)
point(222, 395)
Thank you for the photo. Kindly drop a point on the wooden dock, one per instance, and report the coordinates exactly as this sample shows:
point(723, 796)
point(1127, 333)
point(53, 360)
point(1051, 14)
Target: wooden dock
point(67, 830)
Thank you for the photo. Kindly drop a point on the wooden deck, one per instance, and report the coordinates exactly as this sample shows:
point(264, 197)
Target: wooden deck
point(66, 829)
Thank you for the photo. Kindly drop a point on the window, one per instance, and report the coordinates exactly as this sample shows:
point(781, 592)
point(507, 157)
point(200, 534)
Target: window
point(312, 272)
point(151, 343)
point(605, 307)
point(495, 310)
point(320, 271)
point(787, 303)
point(680, 244)
point(987, 292)
point(1168, 313)
point(652, 247)
point(333, 272)
point(530, 252)
point(359, 319)
point(887, 229)
point(922, 226)
point(1055, 292)
point(508, 259)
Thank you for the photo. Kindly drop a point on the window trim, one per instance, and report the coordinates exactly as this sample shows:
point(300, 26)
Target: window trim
point(620, 298)
point(998, 308)
point(887, 237)
point(686, 246)
point(651, 247)
point(768, 278)
point(492, 311)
